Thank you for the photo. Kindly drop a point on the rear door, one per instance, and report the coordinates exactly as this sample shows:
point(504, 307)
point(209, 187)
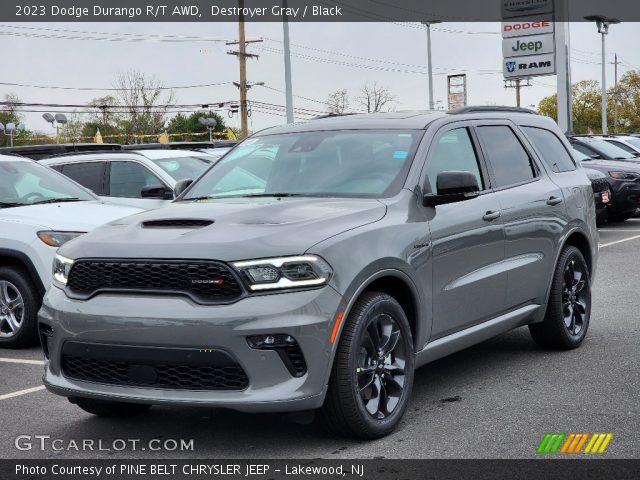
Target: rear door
point(533, 212)
point(90, 175)
point(125, 181)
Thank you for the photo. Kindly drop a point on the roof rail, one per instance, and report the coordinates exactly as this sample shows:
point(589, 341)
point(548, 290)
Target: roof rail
point(89, 152)
point(490, 109)
point(331, 115)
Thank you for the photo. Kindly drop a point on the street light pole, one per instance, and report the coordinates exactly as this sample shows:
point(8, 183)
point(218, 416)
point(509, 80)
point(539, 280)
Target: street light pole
point(287, 64)
point(429, 63)
point(604, 85)
point(603, 24)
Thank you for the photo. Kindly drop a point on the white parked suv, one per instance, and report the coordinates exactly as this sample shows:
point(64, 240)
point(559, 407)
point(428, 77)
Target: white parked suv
point(40, 210)
point(139, 178)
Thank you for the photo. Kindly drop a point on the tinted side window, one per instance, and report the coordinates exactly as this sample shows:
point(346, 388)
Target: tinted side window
point(551, 148)
point(510, 161)
point(453, 151)
point(128, 178)
point(89, 175)
point(584, 149)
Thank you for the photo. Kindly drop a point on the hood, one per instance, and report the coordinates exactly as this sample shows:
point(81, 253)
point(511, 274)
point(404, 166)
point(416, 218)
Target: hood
point(605, 165)
point(594, 174)
point(69, 217)
point(241, 229)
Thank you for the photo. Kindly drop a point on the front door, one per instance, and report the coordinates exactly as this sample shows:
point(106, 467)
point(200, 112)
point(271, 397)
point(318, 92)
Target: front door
point(469, 285)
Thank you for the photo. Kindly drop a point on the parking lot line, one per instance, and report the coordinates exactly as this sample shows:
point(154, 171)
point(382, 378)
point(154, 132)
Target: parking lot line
point(21, 392)
point(617, 230)
point(603, 245)
point(19, 360)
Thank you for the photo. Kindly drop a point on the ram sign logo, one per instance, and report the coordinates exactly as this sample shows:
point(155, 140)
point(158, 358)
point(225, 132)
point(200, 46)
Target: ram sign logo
point(529, 66)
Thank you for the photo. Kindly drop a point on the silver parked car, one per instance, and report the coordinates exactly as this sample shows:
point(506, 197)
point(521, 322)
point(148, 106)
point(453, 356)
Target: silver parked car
point(138, 178)
point(318, 264)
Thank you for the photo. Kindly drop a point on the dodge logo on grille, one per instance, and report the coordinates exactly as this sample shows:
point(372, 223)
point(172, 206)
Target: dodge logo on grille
point(217, 281)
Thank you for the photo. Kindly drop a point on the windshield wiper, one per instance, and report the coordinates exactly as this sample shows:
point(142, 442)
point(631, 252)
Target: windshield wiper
point(56, 200)
point(258, 195)
point(11, 204)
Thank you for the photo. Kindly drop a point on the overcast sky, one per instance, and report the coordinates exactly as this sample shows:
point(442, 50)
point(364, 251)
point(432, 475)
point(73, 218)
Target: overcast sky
point(327, 57)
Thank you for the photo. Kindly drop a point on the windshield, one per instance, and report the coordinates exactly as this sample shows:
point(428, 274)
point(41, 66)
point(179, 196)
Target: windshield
point(634, 141)
point(183, 168)
point(626, 148)
point(353, 163)
point(609, 150)
point(27, 183)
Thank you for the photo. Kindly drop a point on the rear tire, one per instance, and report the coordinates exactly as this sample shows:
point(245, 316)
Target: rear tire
point(104, 408)
point(372, 374)
point(568, 313)
point(19, 305)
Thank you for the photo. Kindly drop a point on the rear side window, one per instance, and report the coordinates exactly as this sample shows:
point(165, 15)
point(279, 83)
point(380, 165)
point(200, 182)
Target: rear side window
point(510, 161)
point(551, 148)
point(89, 175)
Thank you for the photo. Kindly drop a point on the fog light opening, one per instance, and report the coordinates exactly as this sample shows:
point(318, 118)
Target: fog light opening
point(287, 348)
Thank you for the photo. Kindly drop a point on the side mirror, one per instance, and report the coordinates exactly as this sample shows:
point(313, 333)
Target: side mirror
point(453, 187)
point(159, 192)
point(181, 186)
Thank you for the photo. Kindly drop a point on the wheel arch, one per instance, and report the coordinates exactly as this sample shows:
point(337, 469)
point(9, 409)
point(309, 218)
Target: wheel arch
point(15, 258)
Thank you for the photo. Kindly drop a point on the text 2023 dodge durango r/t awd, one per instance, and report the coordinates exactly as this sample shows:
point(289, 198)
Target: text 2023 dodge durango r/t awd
point(318, 264)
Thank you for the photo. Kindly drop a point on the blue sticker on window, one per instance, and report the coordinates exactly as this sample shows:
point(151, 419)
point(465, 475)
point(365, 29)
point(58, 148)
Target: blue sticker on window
point(400, 154)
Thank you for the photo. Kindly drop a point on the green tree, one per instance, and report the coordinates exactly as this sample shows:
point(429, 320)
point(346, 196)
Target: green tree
point(191, 124)
point(9, 113)
point(628, 98)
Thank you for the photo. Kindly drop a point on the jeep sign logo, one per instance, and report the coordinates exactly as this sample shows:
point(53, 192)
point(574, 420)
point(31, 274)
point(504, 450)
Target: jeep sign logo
point(530, 45)
point(530, 66)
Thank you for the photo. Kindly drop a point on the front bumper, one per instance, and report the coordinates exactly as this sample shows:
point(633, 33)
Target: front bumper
point(168, 322)
point(625, 197)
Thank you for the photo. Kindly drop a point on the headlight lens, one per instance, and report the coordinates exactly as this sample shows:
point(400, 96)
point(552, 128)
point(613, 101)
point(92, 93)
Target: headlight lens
point(624, 175)
point(284, 272)
point(61, 268)
point(57, 239)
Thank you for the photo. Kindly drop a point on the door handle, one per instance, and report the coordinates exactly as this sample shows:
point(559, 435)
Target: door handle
point(554, 201)
point(490, 216)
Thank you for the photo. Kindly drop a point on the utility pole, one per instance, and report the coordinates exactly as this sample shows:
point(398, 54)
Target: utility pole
point(429, 63)
point(517, 84)
point(615, 96)
point(242, 55)
point(287, 64)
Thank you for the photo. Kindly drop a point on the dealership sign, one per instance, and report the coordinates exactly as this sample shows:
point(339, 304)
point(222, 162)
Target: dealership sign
point(530, 66)
point(533, 26)
point(520, 8)
point(528, 38)
point(531, 45)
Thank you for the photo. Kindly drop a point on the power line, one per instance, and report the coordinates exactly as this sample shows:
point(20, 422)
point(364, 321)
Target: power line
point(56, 87)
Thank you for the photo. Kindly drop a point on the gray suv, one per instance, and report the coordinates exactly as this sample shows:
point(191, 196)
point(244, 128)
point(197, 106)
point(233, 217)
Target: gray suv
point(318, 264)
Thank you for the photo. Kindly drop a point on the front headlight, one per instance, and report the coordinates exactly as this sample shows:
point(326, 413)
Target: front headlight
point(624, 175)
point(284, 272)
point(57, 239)
point(61, 268)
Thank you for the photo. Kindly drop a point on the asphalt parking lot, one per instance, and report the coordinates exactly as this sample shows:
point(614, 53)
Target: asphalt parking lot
point(494, 400)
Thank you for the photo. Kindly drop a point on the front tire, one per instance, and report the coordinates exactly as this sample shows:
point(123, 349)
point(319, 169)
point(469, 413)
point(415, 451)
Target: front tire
point(104, 408)
point(569, 309)
point(372, 373)
point(19, 305)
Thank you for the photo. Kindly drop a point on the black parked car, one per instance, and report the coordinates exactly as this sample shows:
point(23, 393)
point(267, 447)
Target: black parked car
point(598, 149)
point(623, 179)
point(601, 193)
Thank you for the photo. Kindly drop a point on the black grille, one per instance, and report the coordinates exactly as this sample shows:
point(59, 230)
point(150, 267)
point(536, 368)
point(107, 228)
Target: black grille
point(599, 185)
point(177, 223)
point(181, 369)
point(204, 282)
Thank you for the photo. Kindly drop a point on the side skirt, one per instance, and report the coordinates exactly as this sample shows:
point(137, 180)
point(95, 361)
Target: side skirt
point(478, 333)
